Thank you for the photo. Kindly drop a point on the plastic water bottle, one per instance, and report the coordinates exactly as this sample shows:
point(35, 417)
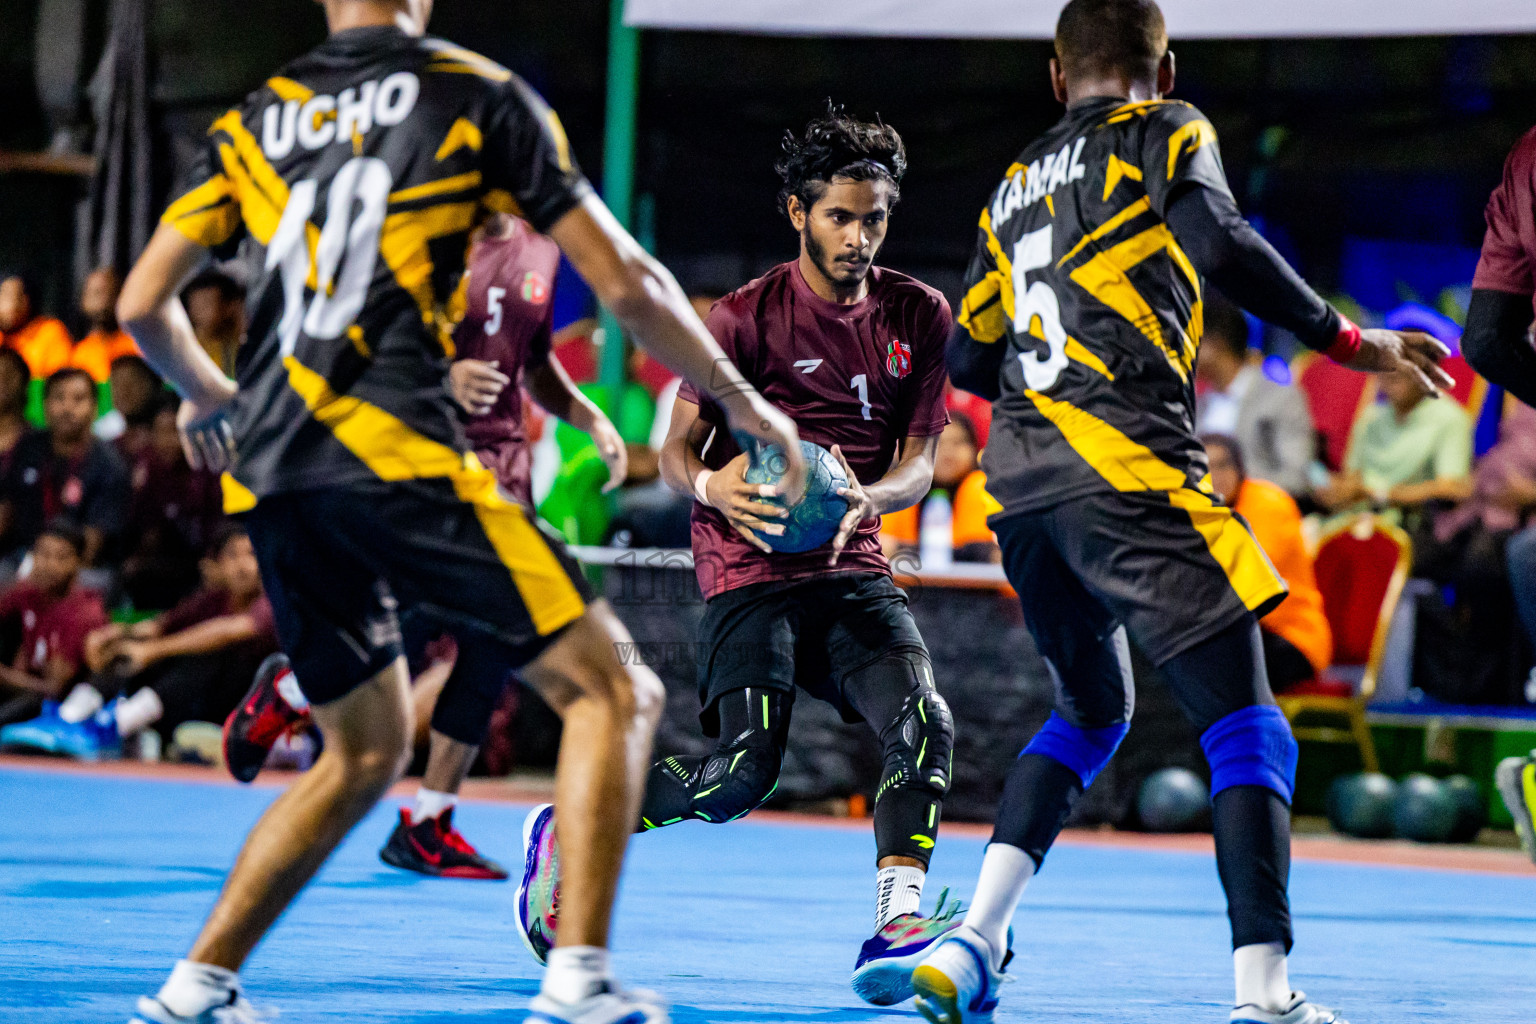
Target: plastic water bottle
point(936, 537)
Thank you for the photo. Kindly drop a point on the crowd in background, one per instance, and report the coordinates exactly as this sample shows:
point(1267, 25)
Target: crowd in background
point(129, 603)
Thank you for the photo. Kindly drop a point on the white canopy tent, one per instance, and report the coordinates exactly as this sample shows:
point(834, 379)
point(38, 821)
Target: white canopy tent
point(1036, 19)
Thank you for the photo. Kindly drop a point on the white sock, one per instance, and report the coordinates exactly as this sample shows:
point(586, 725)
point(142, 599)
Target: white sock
point(1262, 977)
point(288, 689)
point(574, 973)
point(83, 702)
point(898, 891)
point(138, 712)
point(194, 988)
point(1005, 871)
point(430, 803)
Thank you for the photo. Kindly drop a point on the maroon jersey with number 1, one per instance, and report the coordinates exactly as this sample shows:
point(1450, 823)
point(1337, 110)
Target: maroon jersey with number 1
point(509, 306)
point(863, 377)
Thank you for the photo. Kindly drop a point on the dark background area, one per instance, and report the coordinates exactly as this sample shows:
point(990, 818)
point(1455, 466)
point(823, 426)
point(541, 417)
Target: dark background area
point(1324, 140)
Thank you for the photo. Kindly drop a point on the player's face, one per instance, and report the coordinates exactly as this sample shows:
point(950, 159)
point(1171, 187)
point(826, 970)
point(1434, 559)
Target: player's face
point(54, 562)
point(1225, 476)
point(15, 307)
point(70, 407)
point(845, 228)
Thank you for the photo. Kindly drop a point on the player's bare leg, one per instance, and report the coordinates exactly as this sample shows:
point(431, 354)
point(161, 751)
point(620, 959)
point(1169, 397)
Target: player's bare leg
point(610, 712)
point(448, 763)
point(366, 743)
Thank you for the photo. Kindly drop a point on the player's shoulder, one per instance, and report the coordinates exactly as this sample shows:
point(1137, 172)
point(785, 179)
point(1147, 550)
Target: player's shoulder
point(746, 302)
point(1164, 113)
point(409, 66)
point(1522, 156)
point(895, 289)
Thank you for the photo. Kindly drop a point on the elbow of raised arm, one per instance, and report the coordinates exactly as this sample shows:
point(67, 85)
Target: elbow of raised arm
point(134, 311)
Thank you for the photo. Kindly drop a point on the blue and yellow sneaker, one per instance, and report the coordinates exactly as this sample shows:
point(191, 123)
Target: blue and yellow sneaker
point(883, 973)
point(957, 984)
point(538, 897)
point(36, 733)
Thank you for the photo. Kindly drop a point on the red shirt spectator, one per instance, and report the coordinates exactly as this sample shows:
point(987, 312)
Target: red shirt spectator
point(49, 618)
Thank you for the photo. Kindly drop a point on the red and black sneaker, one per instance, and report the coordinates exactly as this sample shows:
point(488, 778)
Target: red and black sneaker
point(260, 720)
point(434, 847)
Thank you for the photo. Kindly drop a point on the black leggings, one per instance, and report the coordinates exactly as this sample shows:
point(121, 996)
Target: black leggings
point(742, 772)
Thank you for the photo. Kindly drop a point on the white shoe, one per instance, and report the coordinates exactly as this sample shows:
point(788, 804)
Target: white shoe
point(1298, 1012)
point(956, 984)
point(1515, 778)
point(237, 1011)
point(638, 1007)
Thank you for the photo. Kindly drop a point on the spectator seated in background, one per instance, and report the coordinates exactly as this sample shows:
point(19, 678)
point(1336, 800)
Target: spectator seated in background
point(65, 471)
point(215, 302)
point(1468, 649)
point(104, 341)
point(41, 340)
point(44, 623)
point(193, 663)
point(1407, 451)
point(957, 474)
point(1270, 420)
point(15, 383)
point(1298, 642)
point(138, 394)
point(173, 513)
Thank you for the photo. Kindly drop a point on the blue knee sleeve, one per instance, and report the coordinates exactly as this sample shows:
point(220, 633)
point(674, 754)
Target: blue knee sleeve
point(1252, 747)
point(1085, 751)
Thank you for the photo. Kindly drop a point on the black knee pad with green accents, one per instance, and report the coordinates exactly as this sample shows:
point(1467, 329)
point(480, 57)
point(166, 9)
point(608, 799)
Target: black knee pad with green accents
point(736, 779)
point(918, 751)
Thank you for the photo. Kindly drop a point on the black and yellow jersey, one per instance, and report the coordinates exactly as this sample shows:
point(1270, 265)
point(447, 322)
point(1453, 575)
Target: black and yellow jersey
point(348, 183)
point(1078, 276)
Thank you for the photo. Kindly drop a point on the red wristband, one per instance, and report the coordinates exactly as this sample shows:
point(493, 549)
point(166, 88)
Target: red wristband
point(1347, 344)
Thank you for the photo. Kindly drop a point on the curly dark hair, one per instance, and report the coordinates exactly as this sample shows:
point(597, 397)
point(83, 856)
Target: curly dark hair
point(839, 146)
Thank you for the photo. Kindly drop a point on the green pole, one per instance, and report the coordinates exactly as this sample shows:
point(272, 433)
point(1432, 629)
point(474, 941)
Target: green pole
point(619, 163)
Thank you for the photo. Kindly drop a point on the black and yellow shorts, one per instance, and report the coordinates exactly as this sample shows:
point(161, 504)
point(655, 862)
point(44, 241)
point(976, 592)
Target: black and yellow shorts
point(1173, 567)
point(340, 563)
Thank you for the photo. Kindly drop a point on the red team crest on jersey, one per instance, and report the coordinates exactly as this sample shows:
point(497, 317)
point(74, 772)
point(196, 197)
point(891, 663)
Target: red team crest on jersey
point(535, 288)
point(898, 358)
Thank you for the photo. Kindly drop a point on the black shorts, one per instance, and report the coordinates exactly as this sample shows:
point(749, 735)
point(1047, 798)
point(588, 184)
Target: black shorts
point(1174, 567)
point(337, 562)
point(809, 634)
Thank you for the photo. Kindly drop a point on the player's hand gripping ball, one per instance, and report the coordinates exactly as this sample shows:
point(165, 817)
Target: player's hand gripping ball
point(813, 521)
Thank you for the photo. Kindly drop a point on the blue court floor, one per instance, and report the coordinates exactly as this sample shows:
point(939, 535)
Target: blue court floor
point(104, 880)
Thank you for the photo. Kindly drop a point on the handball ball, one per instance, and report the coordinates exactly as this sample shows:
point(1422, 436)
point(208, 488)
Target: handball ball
point(813, 520)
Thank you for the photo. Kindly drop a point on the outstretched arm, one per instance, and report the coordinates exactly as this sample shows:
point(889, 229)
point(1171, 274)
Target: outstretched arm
point(151, 312)
point(1225, 248)
point(649, 304)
